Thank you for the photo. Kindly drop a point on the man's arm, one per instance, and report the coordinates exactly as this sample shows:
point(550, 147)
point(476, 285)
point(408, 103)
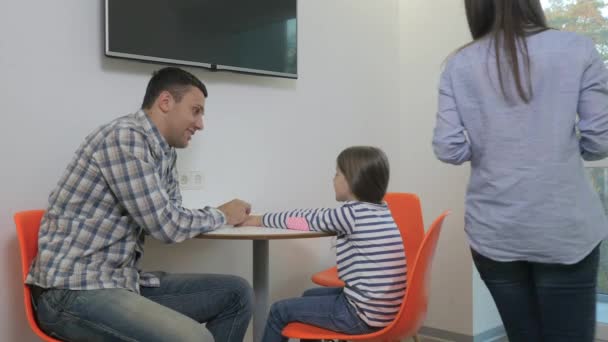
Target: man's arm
point(129, 170)
point(174, 191)
point(235, 211)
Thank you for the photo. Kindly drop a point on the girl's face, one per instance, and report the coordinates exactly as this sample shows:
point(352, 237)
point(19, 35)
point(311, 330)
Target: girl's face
point(341, 187)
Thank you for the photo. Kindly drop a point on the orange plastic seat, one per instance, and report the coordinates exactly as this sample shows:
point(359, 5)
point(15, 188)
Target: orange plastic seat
point(414, 305)
point(28, 224)
point(328, 277)
point(407, 213)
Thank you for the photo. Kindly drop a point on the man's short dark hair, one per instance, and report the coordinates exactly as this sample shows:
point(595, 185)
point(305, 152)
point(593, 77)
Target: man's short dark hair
point(174, 80)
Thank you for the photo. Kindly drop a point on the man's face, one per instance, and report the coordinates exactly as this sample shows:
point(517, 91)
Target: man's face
point(185, 118)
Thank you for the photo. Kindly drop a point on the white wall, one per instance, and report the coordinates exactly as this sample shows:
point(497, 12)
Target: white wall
point(430, 30)
point(368, 76)
point(282, 137)
point(270, 141)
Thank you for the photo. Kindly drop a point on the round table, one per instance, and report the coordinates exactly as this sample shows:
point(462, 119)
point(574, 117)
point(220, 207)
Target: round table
point(260, 237)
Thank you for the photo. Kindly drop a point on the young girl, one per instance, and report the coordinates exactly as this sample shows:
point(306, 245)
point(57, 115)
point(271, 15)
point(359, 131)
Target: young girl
point(370, 255)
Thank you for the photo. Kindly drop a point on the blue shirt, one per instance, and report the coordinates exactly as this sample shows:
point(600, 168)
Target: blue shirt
point(528, 196)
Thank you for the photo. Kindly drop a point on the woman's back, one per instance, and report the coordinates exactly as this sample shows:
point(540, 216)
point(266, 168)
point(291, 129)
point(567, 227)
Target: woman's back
point(527, 180)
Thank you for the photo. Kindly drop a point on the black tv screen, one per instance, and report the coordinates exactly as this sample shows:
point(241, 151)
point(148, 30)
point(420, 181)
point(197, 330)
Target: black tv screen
point(240, 35)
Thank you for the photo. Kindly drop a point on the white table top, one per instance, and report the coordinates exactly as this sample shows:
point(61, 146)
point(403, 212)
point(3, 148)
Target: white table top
point(259, 233)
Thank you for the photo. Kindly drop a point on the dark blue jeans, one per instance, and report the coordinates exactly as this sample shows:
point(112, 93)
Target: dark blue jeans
point(543, 302)
point(172, 312)
point(325, 307)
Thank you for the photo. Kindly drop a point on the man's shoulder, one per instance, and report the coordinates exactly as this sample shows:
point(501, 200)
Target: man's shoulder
point(124, 124)
point(116, 131)
point(130, 121)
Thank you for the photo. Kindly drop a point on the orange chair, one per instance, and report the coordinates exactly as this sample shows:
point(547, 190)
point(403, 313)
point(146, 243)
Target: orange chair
point(407, 213)
point(28, 224)
point(414, 306)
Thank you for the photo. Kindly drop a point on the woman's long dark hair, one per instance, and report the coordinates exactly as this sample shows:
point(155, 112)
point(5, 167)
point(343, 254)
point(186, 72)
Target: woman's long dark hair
point(508, 23)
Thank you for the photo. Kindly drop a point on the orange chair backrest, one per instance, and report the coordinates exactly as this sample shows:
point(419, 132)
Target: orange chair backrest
point(407, 213)
point(414, 307)
point(28, 224)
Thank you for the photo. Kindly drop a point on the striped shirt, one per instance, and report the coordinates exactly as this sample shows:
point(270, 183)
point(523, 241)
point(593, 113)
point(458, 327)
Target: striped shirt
point(370, 254)
point(120, 186)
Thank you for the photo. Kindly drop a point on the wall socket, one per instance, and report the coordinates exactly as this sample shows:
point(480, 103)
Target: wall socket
point(192, 180)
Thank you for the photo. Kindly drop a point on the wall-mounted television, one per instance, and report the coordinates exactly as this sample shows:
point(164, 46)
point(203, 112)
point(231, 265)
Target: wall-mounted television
point(250, 36)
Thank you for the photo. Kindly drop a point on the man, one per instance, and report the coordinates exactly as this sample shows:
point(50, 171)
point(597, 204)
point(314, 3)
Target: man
point(120, 186)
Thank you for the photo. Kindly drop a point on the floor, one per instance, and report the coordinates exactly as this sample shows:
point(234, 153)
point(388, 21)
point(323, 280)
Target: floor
point(429, 339)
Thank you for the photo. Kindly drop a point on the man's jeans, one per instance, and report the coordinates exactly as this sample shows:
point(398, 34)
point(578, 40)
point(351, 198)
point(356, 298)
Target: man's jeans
point(543, 302)
point(172, 312)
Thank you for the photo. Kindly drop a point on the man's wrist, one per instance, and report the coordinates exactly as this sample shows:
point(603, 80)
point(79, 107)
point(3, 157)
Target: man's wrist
point(220, 217)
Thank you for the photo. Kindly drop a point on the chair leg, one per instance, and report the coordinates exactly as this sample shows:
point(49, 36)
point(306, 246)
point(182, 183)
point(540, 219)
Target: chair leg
point(416, 339)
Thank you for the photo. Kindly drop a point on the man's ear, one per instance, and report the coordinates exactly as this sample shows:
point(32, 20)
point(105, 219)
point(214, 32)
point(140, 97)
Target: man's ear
point(165, 101)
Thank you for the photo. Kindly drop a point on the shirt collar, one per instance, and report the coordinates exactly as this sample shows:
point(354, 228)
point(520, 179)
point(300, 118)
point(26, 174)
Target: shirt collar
point(151, 128)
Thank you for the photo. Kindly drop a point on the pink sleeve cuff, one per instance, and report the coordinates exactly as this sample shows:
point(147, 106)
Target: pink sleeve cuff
point(297, 223)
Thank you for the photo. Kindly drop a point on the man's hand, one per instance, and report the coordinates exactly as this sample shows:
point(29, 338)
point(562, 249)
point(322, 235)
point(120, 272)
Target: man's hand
point(236, 211)
point(252, 221)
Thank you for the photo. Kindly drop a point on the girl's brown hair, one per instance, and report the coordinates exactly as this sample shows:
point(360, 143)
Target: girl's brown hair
point(366, 170)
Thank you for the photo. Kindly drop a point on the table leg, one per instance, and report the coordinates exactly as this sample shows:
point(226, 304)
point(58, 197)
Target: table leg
point(260, 287)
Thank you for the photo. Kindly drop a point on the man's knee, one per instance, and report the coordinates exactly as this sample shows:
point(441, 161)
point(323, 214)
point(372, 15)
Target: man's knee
point(243, 291)
point(185, 333)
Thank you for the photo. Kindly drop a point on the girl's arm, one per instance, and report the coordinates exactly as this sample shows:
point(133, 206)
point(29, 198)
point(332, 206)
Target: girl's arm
point(339, 220)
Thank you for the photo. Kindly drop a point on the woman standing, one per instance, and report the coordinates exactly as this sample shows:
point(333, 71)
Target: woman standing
point(511, 103)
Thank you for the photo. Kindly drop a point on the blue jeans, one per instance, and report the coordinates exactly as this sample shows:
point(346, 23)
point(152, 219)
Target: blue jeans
point(325, 307)
point(543, 302)
point(172, 312)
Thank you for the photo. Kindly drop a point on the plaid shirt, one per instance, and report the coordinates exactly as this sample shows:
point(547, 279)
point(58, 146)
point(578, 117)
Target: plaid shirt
point(120, 186)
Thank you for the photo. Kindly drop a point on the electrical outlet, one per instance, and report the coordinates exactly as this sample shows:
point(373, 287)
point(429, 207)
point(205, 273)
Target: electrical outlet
point(198, 180)
point(192, 180)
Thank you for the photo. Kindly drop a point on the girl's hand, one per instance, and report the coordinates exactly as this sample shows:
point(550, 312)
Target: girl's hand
point(251, 221)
